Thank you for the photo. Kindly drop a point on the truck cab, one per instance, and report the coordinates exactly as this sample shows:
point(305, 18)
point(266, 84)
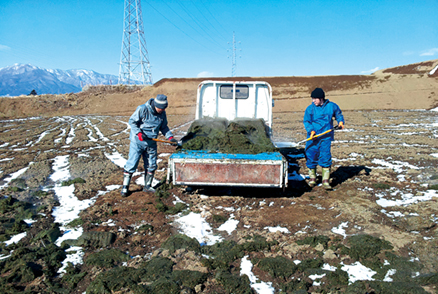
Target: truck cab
point(235, 100)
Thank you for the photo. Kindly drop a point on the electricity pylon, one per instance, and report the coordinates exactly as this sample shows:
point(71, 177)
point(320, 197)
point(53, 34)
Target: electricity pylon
point(134, 60)
point(233, 56)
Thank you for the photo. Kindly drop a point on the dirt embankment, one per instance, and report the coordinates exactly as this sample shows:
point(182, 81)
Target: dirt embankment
point(404, 87)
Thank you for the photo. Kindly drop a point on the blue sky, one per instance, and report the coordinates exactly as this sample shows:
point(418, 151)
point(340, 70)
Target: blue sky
point(190, 38)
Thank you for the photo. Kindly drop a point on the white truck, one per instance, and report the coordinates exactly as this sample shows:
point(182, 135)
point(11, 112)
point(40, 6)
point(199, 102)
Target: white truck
point(231, 100)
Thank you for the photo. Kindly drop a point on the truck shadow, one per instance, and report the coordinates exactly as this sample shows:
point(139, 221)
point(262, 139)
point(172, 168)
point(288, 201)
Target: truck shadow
point(253, 192)
point(297, 186)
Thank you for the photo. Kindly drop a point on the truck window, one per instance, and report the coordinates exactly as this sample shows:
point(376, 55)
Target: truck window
point(226, 91)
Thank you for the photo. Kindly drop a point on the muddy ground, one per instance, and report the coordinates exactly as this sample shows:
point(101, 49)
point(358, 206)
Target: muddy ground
point(382, 213)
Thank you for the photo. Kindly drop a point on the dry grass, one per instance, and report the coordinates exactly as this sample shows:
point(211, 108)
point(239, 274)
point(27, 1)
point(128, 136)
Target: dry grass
point(416, 68)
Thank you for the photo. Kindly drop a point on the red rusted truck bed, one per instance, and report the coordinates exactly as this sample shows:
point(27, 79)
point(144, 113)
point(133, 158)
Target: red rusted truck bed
point(220, 169)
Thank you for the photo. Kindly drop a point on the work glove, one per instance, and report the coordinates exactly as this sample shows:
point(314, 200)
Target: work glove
point(340, 126)
point(173, 141)
point(142, 136)
point(312, 133)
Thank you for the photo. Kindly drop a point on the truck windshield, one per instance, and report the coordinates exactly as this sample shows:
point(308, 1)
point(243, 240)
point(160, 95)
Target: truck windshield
point(226, 91)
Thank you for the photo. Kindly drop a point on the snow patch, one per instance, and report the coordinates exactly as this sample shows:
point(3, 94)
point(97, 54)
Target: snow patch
point(117, 159)
point(277, 229)
point(358, 272)
point(14, 176)
point(259, 287)
point(433, 70)
point(15, 239)
point(397, 166)
point(340, 229)
point(406, 199)
point(195, 226)
point(229, 226)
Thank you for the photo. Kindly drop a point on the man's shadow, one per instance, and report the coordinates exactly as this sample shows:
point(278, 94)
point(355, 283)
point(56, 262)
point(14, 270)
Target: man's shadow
point(298, 186)
point(343, 173)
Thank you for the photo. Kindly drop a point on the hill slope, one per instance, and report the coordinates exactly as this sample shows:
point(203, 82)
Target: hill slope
point(405, 87)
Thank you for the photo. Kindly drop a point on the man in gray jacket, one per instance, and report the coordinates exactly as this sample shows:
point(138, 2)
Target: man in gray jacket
point(146, 122)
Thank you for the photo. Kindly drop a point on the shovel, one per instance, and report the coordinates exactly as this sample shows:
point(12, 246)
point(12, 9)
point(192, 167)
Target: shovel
point(168, 142)
point(326, 132)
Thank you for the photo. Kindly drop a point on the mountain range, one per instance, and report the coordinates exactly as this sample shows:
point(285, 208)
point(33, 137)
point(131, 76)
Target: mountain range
point(21, 79)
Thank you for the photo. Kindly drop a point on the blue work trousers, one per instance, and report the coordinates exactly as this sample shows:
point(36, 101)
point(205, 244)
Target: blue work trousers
point(318, 153)
point(148, 150)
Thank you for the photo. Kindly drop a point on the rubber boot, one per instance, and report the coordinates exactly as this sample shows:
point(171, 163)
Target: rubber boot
point(312, 176)
point(148, 177)
point(126, 181)
point(326, 178)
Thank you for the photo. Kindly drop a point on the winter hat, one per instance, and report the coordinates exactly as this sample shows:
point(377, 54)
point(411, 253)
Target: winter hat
point(161, 101)
point(318, 93)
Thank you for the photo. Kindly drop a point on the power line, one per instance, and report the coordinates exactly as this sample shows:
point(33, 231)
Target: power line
point(208, 21)
point(206, 8)
point(26, 52)
point(190, 24)
point(181, 29)
point(198, 23)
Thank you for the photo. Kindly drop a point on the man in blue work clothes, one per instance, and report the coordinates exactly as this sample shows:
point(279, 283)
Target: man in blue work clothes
point(147, 120)
point(318, 118)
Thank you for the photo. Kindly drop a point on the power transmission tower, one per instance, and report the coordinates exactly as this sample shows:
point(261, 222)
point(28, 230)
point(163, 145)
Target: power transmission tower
point(233, 56)
point(134, 60)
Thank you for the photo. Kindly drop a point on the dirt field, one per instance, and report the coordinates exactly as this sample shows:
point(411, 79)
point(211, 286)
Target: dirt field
point(374, 233)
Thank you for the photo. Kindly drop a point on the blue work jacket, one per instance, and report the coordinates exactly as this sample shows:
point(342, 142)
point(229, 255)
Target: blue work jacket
point(147, 120)
point(320, 118)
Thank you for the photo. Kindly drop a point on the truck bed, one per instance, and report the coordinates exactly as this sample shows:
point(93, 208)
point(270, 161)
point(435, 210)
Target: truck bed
point(222, 169)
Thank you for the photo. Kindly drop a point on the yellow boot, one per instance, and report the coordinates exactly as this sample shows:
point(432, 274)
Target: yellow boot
point(326, 178)
point(312, 176)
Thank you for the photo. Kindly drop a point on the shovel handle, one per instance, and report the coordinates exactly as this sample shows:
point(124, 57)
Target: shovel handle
point(326, 132)
point(323, 133)
point(164, 141)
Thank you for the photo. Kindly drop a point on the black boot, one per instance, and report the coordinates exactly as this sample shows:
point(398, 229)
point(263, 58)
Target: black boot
point(148, 177)
point(126, 181)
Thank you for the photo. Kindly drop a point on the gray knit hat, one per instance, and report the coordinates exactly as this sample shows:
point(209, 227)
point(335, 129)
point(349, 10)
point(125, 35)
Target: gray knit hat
point(161, 101)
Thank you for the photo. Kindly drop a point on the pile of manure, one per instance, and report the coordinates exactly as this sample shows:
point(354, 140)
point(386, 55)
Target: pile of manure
point(223, 136)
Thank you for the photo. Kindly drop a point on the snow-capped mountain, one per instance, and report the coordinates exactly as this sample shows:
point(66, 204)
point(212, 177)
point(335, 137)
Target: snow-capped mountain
point(21, 79)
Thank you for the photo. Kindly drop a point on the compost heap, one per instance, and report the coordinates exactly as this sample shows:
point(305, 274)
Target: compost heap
point(220, 135)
